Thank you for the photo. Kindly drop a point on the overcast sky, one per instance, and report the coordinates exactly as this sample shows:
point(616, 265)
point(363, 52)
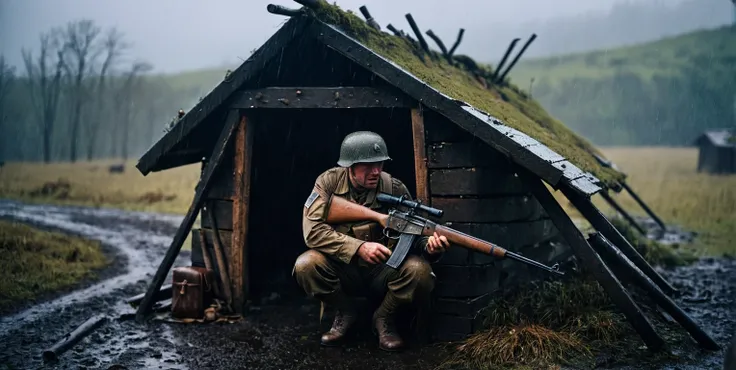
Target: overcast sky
point(178, 35)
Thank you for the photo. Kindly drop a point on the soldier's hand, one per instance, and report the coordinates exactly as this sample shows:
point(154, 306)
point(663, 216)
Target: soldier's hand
point(374, 252)
point(437, 244)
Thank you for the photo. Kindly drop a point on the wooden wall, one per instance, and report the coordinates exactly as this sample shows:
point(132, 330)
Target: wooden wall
point(481, 196)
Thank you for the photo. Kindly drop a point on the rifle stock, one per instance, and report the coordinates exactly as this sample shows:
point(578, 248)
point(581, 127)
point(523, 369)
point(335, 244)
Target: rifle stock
point(342, 210)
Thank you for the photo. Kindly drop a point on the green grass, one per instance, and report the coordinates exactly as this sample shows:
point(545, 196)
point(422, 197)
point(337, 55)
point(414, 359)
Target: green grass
point(36, 262)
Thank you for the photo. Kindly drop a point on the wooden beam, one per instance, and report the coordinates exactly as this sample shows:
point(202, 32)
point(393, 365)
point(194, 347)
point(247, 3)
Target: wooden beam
point(420, 155)
point(644, 206)
point(612, 202)
point(594, 264)
point(609, 252)
point(319, 97)
point(601, 223)
point(239, 271)
point(186, 224)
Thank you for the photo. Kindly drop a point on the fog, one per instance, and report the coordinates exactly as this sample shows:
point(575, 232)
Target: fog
point(176, 35)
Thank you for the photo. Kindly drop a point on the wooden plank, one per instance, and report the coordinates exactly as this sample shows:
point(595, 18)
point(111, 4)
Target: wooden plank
point(463, 115)
point(439, 129)
point(585, 185)
point(521, 138)
point(320, 97)
point(186, 224)
point(601, 223)
point(501, 209)
point(212, 101)
point(466, 281)
point(223, 212)
point(643, 205)
point(606, 249)
point(545, 153)
point(240, 274)
point(179, 158)
point(570, 171)
point(513, 236)
point(222, 181)
point(464, 154)
point(475, 181)
point(197, 259)
point(420, 155)
point(593, 263)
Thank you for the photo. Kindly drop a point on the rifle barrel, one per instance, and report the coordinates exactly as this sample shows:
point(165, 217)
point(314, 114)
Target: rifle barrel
point(554, 269)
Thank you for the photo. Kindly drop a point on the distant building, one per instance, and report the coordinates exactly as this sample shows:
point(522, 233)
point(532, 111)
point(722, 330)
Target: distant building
point(717, 151)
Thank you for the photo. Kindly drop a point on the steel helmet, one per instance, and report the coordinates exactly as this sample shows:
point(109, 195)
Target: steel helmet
point(362, 147)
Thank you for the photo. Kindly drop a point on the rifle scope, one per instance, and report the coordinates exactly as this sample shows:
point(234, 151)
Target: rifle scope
point(390, 199)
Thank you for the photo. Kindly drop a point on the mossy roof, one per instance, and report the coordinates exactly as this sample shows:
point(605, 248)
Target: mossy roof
point(506, 103)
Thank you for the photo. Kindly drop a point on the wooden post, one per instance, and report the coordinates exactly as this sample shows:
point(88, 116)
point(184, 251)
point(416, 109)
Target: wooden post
point(609, 252)
point(420, 155)
point(643, 205)
point(612, 202)
point(239, 272)
point(593, 262)
point(601, 223)
point(186, 224)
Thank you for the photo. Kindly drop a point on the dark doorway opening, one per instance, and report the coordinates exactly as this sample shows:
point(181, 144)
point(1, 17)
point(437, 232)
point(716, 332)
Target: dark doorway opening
point(291, 149)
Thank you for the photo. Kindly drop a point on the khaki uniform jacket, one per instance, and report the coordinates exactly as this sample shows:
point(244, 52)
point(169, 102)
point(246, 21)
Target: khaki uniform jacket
point(343, 240)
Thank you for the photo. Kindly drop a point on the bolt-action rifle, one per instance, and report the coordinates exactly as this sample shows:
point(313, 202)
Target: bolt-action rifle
point(409, 225)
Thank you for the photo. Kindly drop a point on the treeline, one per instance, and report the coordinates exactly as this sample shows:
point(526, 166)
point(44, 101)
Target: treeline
point(82, 95)
point(632, 101)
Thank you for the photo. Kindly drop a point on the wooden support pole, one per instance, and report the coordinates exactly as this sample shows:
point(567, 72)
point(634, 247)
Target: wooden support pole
point(239, 272)
point(420, 155)
point(222, 266)
point(593, 263)
point(516, 59)
point(500, 65)
point(417, 32)
point(601, 223)
point(70, 339)
point(186, 224)
point(612, 254)
point(612, 202)
point(457, 42)
point(644, 206)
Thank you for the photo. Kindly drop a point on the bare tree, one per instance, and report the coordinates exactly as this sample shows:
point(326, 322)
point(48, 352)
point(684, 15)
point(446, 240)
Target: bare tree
point(113, 46)
point(44, 86)
point(79, 53)
point(7, 78)
point(127, 101)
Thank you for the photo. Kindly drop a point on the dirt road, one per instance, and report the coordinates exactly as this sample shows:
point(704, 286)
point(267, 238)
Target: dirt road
point(275, 335)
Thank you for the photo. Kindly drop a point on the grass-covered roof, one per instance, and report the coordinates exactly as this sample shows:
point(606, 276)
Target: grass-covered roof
point(503, 101)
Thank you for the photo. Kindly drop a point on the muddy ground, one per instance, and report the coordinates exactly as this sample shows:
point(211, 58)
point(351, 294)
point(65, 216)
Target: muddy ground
point(277, 334)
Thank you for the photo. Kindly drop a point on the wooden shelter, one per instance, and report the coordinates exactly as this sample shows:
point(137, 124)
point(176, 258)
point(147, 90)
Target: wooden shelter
point(275, 123)
point(717, 151)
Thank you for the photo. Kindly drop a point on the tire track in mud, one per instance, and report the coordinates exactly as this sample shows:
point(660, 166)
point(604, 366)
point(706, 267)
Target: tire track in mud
point(139, 241)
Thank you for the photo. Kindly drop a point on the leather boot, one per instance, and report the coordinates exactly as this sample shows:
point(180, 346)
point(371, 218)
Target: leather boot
point(384, 320)
point(345, 317)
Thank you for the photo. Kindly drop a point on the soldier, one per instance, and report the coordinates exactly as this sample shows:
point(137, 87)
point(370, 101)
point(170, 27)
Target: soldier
point(344, 260)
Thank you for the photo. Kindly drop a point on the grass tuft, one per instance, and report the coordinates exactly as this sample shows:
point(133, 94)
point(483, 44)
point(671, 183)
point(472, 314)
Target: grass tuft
point(37, 262)
point(543, 324)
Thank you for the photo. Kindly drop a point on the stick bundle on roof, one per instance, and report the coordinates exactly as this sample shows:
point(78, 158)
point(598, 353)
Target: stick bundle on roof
point(369, 19)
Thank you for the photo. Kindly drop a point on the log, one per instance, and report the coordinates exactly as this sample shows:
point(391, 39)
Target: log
point(466, 281)
point(482, 181)
point(319, 97)
point(368, 18)
point(594, 264)
point(644, 206)
point(223, 212)
point(202, 188)
point(505, 56)
point(282, 10)
point(418, 33)
point(516, 59)
point(457, 42)
point(498, 209)
point(394, 30)
point(440, 44)
point(164, 293)
point(221, 263)
point(601, 223)
point(239, 253)
point(607, 250)
point(464, 155)
point(612, 202)
point(72, 338)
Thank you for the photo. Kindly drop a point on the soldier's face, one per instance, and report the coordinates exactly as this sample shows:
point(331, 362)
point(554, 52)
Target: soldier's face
point(367, 174)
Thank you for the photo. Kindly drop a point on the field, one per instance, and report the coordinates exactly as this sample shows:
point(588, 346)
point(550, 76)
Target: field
point(664, 177)
point(39, 262)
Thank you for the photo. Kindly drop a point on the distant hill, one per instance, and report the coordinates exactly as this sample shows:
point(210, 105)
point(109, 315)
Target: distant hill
point(657, 93)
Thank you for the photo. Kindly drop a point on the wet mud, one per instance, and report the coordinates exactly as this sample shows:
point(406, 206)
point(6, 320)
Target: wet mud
point(275, 334)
